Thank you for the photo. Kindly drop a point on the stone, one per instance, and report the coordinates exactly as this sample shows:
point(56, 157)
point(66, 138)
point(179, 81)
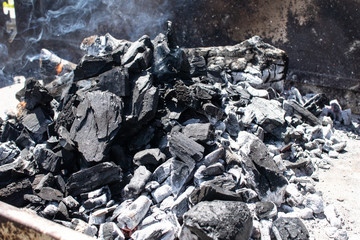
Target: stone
point(266, 113)
point(290, 228)
point(137, 182)
point(153, 157)
point(185, 148)
point(293, 108)
point(92, 178)
point(98, 119)
point(175, 173)
point(134, 213)
point(139, 55)
point(115, 81)
point(110, 230)
point(219, 220)
point(199, 132)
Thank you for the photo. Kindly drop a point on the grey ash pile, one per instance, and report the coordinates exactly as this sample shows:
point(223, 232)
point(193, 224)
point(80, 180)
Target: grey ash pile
point(146, 140)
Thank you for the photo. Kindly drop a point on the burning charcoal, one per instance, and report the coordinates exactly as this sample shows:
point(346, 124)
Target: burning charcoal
point(109, 231)
point(219, 220)
point(161, 193)
point(91, 66)
point(52, 65)
point(185, 148)
point(115, 81)
point(266, 113)
point(316, 104)
point(149, 157)
point(210, 192)
point(70, 202)
point(81, 226)
point(199, 132)
point(134, 213)
point(98, 119)
point(169, 63)
point(137, 182)
point(138, 57)
point(36, 122)
point(174, 173)
point(266, 210)
point(46, 159)
point(290, 228)
point(34, 94)
point(294, 108)
point(91, 178)
point(14, 192)
point(50, 194)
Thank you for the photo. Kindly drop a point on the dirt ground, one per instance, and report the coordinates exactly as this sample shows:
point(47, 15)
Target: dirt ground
point(340, 186)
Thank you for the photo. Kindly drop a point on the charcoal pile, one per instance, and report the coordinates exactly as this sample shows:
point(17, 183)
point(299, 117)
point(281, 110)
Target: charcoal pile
point(146, 140)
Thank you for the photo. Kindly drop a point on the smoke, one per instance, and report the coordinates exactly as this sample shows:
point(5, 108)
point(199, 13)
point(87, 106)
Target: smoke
point(61, 25)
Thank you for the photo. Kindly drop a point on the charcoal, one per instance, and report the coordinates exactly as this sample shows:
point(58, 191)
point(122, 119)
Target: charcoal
point(214, 156)
point(8, 152)
point(199, 132)
point(169, 63)
point(316, 104)
point(214, 169)
point(144, 99)
point(213, 113)
point(81, 226)
point(47, 160)
point(70, 202)
point(60, 183)
point(162, 192)
point(50, 194)
point(91, 66)
point(44, 181)
point(50, 210)
point(37, 122)
point(174, 173)
point(62, 212)
point(24, 140)
point(138, 56)
point(142, 139)
point(210, 192)
point(182, 203)
point(219, 220)
point(185, 148)
point(110, 230)
point(197, 65)
point(232, 125)
point(266, 210)
point(266, 113)
point(92, 178)
point(14, 192)
point(10, 131)
point(152, 157)
point(294, 108)
point(115, 81)
point(33, 199)
point(290, 228)
point(98, 119)
point(34, 94)
point(137, 182)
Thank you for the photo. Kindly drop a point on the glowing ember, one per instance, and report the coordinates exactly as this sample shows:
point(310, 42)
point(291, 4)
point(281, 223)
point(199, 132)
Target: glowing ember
point(59, 68)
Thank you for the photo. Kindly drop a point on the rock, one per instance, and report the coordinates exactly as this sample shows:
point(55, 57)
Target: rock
point(92, 178)
point(314, 202)
point(290, 228)
point(266, 113)
point(219, 220)
point(174, 173)
point(199, 132)
point(137, 182)
point(98, 119)
point(138, 56)
point(115, 81)
point(185, 148)
point(151, 157)
point(110, 230)
point(293, 108)
point(134, 213)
